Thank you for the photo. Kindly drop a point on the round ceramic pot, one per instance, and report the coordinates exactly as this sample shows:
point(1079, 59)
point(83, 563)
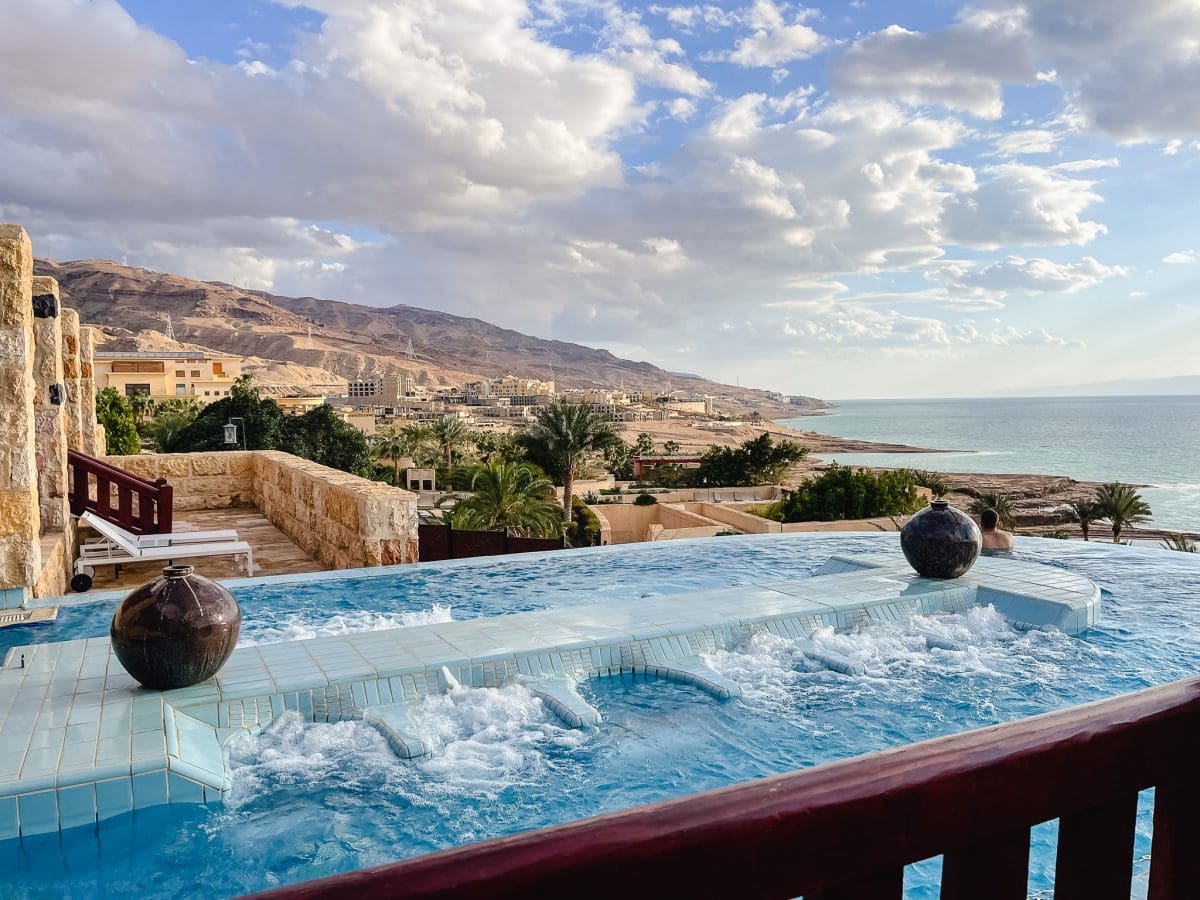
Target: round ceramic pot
point(941, 541)
point(176, 630)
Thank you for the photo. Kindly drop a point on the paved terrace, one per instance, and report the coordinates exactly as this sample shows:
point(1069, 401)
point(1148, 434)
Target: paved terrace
point(81, 742)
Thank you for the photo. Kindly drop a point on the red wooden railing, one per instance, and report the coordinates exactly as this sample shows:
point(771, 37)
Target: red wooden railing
point(439, 542)
point(847, 829)
point(135, 504)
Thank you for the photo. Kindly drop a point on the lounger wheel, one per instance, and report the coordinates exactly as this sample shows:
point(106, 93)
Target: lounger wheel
point(83, 580)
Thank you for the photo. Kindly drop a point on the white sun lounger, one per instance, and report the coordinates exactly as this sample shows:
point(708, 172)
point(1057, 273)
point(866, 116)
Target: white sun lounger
point(116, 547)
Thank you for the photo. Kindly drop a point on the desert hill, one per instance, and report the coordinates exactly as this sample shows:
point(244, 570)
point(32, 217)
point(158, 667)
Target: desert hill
point(301, 343)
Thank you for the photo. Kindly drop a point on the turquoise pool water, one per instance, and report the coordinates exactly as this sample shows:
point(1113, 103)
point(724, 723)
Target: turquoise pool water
point(309, 800)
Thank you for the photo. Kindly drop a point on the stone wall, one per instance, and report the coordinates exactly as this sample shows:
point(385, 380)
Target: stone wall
point(20, 517)
point(50, 424)
point(93, 434)
point(200, 480)
point(341, 520)
point(73, 407)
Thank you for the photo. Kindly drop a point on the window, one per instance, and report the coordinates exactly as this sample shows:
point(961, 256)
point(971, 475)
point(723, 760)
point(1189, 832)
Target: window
point(207, 394)
point(195, 373)
point(181, 390)
point(179, 373)
point(218, 368)
point(132, 390)
point(427, 485)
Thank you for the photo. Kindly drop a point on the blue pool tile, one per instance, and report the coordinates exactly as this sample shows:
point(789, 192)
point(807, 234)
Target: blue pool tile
point(150, 789)
point(77, 806)
point(113, 797)
point(39, 812)
point(10, 826)
point(184, 790)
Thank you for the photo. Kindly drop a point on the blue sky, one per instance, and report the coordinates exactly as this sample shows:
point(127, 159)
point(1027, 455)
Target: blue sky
point(864, 199)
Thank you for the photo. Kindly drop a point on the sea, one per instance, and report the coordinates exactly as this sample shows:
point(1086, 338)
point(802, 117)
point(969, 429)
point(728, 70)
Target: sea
point(1151, 441)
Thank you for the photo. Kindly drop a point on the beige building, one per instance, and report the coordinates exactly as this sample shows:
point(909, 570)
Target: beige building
point(165, 375)
point(382, 390)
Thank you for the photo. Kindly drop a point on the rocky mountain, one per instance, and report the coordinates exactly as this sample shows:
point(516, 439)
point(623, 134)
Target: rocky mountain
point(303, 343)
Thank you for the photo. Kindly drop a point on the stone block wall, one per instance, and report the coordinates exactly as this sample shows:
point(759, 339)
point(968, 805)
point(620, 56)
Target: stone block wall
point(93, 434)
point(341, 520)
point(50, 423)
point(200, 480)
point(20, 517)
point(73, 406)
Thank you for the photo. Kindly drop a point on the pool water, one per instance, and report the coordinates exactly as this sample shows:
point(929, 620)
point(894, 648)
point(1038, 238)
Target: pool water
point(310, 800)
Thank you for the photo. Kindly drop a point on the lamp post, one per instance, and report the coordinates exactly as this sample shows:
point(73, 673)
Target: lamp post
point(231, 431)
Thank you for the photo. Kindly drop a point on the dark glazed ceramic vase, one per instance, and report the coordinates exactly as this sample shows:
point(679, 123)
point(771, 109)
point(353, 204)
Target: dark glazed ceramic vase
point(940, 541)
point(177, 630)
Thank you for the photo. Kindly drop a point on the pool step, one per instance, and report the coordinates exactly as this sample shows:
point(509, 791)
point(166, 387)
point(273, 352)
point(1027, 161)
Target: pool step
point(694, 671)
point(394, 722)
point(562, 698)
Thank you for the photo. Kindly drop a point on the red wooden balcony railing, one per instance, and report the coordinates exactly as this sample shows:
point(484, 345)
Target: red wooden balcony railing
point(846, 829)
point(135, 504)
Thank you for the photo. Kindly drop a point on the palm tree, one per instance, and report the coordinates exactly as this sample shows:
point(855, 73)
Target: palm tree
point(450, 433)
point(1000, 503)
point(1122, 506)
point(143, 406)
point(569, 432)
point(391, 445)
point(509, 495)
point(1084, 512)
point(417, 439)
point(1180, 542)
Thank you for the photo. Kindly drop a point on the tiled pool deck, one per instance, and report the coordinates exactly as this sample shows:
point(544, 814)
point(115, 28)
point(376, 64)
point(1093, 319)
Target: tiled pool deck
point(80, 741)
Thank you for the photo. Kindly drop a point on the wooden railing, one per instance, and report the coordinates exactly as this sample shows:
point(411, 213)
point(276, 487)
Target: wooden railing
point(439, 542)
point(135, 504)
point(846, 829)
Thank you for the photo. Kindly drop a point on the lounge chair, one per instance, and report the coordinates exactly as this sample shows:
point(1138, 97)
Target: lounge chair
point(116, 547)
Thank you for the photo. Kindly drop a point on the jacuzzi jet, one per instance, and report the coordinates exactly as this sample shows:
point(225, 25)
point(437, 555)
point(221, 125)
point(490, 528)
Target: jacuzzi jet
point(452, 683)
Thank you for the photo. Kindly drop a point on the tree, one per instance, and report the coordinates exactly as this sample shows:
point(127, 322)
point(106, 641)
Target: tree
point(643, 445)
point(389, 444)
point(931, 480)
point(115, 413)
point(585, 530)
point(567, 433)
point(1122, 506)
point(171, 417)
point(418, 443)
point(450, 434)
point(509, 495)
point(757, 461)
point(998, 502)
point(142, 405)
point(324, 437)
point(1084, 512)
point(1179, 542)
point(841, 492)
point(670, 448)
point(319, 435)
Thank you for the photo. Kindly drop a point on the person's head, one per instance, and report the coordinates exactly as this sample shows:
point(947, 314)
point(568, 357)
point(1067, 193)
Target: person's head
point(989, 519)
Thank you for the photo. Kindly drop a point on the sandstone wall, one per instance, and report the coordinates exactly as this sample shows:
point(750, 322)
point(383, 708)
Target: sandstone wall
point(200, 480)
point(20, 551)
point(93, 434)
point(73, 407)
point(50, 424)
point(341, 520)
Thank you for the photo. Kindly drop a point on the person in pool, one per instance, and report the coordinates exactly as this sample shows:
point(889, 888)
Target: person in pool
point(996, 541)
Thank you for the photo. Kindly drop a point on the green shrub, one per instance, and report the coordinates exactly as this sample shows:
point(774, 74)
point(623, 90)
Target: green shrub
point(115, 413)
point(645, 500)
point(584, 530)
point(757, 461)
point(772, 511)
point(842, 492)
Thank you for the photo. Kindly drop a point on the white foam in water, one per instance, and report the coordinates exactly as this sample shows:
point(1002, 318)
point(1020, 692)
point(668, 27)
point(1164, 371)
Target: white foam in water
point(774, 672)
point(301, 627)
point(489, 738)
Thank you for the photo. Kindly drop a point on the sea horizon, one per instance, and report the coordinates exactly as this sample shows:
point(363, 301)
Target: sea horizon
point(1152, 441)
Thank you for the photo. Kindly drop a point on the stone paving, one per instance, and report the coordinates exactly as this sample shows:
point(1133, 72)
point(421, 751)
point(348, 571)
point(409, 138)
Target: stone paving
point(81, 742)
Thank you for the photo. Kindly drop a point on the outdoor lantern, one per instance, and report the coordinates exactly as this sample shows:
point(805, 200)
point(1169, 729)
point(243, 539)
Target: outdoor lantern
point(231, 433)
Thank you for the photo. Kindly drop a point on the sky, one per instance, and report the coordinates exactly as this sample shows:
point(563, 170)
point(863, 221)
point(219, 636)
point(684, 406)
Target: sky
point(865, 199)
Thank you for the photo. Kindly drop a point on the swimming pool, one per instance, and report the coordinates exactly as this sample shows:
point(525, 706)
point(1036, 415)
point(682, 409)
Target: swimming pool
point(309, 800)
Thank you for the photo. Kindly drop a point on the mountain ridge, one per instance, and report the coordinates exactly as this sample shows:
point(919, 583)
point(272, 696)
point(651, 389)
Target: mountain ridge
point(301, 343)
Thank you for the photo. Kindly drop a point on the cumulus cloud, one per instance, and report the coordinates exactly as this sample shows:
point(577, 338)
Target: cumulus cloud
point(774, 39)
point(1015, 275)
point(1181, 257)
point(1018, 143)
point(1107, 57)
point(1022, 204)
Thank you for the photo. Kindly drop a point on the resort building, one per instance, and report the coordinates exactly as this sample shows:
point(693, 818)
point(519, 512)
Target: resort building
point(165, 375)
point(382, 389)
